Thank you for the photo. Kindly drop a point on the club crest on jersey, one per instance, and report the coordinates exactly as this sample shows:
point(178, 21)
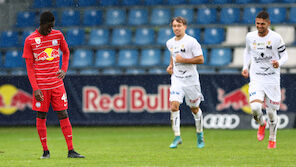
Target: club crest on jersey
point(48, 54)
point(38, 40)
point(54, 42)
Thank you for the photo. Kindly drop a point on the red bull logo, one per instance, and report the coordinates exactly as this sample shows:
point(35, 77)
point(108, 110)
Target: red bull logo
point(239, 99)
point(48, 54)
point(13, 99)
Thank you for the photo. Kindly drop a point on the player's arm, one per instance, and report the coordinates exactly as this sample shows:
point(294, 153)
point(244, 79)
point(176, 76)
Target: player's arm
point(170, 67)
point(65, 61)
point(28, 55)
point(247, 58)
point(195, 60)
point(283, 55)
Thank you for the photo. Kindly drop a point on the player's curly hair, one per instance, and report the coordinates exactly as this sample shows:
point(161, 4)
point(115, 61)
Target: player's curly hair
point(179, 19)
point(46, 17)
point(263, 15)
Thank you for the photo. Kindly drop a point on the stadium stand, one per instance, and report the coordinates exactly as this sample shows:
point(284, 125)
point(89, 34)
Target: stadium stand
point(287, 33)
point(163, 35)
point(105, 58)
point(196, 33)
point(238, 56)
point(82, 58)
point(220, 57)
point(237, 31)
point(25, 19)
point(291, 14)
point(42, 4)
point(229, 15)
point(166, 58)
point(121, 36)
point(277, 14)
point(75, 37)
point(135, 71)
point(187, 13)
point(128, 58)
point(131, 2)
point(214, 35)
point(25, 34)
point(84, 3)
point(70, 18)
point(92, 17)
point(160, 16)
point(249, 14)
point(13, 59)
point(65, 3)
point(138, 16)
point(9, 39)
point(209, 13)
point(99, 36)
point(144, 36)
point(150, 57)
point(115, 16)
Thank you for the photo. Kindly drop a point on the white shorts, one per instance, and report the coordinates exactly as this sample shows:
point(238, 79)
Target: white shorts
point(193, 95)
point(270, 93)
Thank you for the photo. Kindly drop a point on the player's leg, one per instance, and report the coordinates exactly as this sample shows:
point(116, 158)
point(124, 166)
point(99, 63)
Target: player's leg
point(41, 107)
point(271, 111)
point(60, 104)
point(193, 97)
point(176, 98)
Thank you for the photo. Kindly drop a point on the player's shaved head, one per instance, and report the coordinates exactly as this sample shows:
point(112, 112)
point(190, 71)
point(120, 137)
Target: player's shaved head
point(46, 17)
point(263, 15)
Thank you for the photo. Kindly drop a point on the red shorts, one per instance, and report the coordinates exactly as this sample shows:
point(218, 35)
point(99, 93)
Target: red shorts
point(56, 97)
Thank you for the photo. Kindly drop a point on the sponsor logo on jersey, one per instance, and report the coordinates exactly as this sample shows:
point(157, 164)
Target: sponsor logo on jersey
point(37, 40)
point(48, 54)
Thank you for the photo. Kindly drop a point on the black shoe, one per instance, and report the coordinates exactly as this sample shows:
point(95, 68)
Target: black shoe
point(45, 155)
point(74, 154)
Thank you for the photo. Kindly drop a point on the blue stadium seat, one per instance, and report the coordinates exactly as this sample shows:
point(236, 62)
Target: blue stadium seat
point(289, 1)
point(13, 59)
point(292, 14)
point(221, 1)
point(205, 55)
point(109, 3)
point(9, 39)
point(163, 35)
point(214, 35)
point(267, 1)
point(84, 3)
point(42, 3)
point(160, 16)
point(198, 2)
point(75, 37)
point(206, 15)
point(196, 33)
point(229, 15)
point(187, 13)
point(89, 72)
point(19, 72)
point(82, 58)
point(135, 71)
point(26, 19)
point(1, 62)
point(25, 34)
point(144, 36)
point(138, 16)
point(244, 1)
point(277, 15)
point(131, 2)
point(128, 58)
point(115, 16)
point(177, 2)
point(220, 57)
point(70, 18)
point(121, 36)
point(99, 36)
point(105, 58)
point(154, 2)
point(166, 57)
point(250, 14)
point(65, 3)
point(157, 71)
point(112, 71)
point(150, 57)
point(92, 17)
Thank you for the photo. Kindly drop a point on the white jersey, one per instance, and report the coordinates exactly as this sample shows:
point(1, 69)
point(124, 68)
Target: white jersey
point(261, 51)
point(187, 47)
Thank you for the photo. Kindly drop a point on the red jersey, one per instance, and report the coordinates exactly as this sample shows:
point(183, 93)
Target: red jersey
point(44, 50)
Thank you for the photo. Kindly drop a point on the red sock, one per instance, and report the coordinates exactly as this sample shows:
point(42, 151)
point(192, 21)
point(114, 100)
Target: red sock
point(67, 131)
point(41, 128)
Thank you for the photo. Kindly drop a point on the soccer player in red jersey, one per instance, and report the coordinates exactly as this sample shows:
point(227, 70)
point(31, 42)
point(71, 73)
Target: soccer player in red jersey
point(46, 78)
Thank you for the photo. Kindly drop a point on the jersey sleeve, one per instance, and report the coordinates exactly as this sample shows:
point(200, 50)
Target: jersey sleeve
point(27, 52)
point(283, 55)
point(196, 48)
point(247, 56)
point(66, 53)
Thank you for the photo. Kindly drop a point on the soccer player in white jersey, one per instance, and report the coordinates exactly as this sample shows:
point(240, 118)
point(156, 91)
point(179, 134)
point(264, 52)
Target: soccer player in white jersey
point(185, 53)
point(265, 52)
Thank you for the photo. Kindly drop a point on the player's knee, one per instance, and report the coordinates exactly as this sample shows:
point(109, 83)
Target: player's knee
point(272, 114)
point(194, 110)
point(41, 115)
point(62, 114)
point(256, 108)
point(174, 107)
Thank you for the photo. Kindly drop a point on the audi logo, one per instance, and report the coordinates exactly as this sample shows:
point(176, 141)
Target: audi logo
point(283, 121)
point(221, 121)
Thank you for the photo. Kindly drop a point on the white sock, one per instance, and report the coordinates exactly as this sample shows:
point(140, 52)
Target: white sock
point(198, 118)
point(175, 120)
point(257, 112)
point(273, 120)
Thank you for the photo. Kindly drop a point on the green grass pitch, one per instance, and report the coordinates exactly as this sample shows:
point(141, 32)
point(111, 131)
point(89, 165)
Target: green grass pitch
point(145, 147)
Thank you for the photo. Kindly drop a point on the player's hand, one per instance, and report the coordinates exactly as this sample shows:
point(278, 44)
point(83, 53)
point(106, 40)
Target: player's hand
point(275, 63)
point(170, 69)
point(61, 74)
point(245, 73)
point(38, 95)
point(179, 58)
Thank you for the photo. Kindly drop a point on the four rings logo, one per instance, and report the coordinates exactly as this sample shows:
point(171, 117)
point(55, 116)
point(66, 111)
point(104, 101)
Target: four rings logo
point(283, 121)
point(221, 121)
